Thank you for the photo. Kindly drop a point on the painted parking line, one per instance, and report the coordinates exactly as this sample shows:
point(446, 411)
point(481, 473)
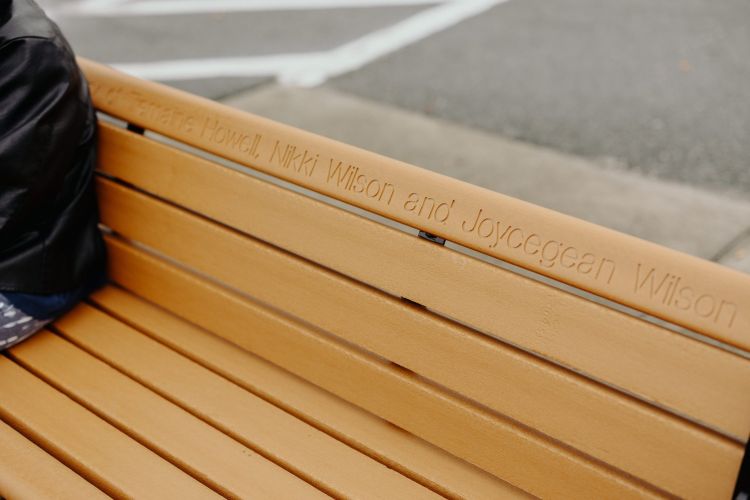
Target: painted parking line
point(194, 69)
point(314, 68)
point(353, 55)
point(119, 8)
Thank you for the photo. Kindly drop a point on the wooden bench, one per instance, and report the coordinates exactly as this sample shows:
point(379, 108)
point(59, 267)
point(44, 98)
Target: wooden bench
point(259, 340)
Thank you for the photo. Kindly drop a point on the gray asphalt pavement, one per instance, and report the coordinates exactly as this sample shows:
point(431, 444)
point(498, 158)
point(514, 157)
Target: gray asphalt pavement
point(660, 87)
point(198, 36)
point(137, 39)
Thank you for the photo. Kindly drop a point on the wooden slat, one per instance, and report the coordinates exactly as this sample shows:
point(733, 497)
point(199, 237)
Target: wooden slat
point(195, 447)
point(413, 457)
point(511, 452)
point(628, 434)
point(695, 293)
point(27, 471)
point(312, 455)
point(100, 453)
point(707, 384)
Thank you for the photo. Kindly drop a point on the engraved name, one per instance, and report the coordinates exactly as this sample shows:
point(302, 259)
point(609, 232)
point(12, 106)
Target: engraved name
point(548, 252)
point(672, 291)
point(291, 157)
point(145, 108)
point(351, 178)
point(218, 133)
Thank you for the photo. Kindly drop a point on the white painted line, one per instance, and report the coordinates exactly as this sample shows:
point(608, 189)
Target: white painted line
point(118, 8)
point(100, 3)
point(314, 68)
point(193, 69)
point(354, 55)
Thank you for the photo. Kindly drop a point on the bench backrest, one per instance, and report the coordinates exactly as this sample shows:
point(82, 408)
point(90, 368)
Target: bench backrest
point(559, 393)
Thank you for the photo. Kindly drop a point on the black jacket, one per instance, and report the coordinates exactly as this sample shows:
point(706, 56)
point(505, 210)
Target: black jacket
point(49, 240)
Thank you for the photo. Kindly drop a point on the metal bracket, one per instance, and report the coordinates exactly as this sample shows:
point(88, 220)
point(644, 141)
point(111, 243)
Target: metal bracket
point(431, 237)
point(742, 488)
point(135, 128)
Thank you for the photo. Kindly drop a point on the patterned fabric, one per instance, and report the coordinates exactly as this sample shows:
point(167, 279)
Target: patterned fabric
point(15, 325)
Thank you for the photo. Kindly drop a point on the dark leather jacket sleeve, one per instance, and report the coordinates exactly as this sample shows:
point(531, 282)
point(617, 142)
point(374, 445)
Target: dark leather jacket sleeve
point(40, 113)
point(49, 239)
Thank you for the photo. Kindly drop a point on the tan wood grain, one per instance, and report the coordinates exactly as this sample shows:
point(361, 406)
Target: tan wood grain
point(693, 379)
point(106, 457)
point(513, 453)
point(630, 435)
point(27, 471)
point(695, 293)
point(307, 452)
point(207, 454)
point(399, 450)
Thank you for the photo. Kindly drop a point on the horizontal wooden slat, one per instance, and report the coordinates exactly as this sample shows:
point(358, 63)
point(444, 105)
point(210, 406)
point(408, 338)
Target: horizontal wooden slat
point(521, 457)
point(628, 434)
point(677, 287)
point(316, 457)
point(413, 457)
point(100, 453)
point(197, 448)
point(707, 384)
point(27, 471)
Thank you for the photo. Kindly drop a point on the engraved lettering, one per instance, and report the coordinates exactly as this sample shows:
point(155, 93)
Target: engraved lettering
point(336, 173)
point(411, 202)
point(655, 285)
point(288, 157)
point(373, 188)
point(446, 211)
point(685, 298)
point(504, 235)
point(603, 265)
point(672, 291)
point(705, 305)
point(359, 186)
point(209, 125)
point(586, 264)
point(489, 227)
point(520, 237)
point(549, 253)
point(568, 257)
point(426, 201)
point(476, 220)
point(245, 144)
point(351, 179)
point(732, 308)
point(533, 241)
point(388, 191)
point(278, 154)
point(670, 300)
point(234, 139)
point(428, 207)
point(253, 150)
point(215, 131)
point(549, 260)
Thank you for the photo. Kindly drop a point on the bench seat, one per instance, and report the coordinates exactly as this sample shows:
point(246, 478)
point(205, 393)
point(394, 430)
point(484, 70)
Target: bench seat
point(286, 319)
point(154, 406)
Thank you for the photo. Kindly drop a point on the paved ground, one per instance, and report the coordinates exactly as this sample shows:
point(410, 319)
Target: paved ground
point(147, 39)
point(632, 114)
point(657, 86)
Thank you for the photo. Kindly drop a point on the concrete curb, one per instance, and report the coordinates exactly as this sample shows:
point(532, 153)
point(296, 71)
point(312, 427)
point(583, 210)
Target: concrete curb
point(681, 217)
point(737, 255)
